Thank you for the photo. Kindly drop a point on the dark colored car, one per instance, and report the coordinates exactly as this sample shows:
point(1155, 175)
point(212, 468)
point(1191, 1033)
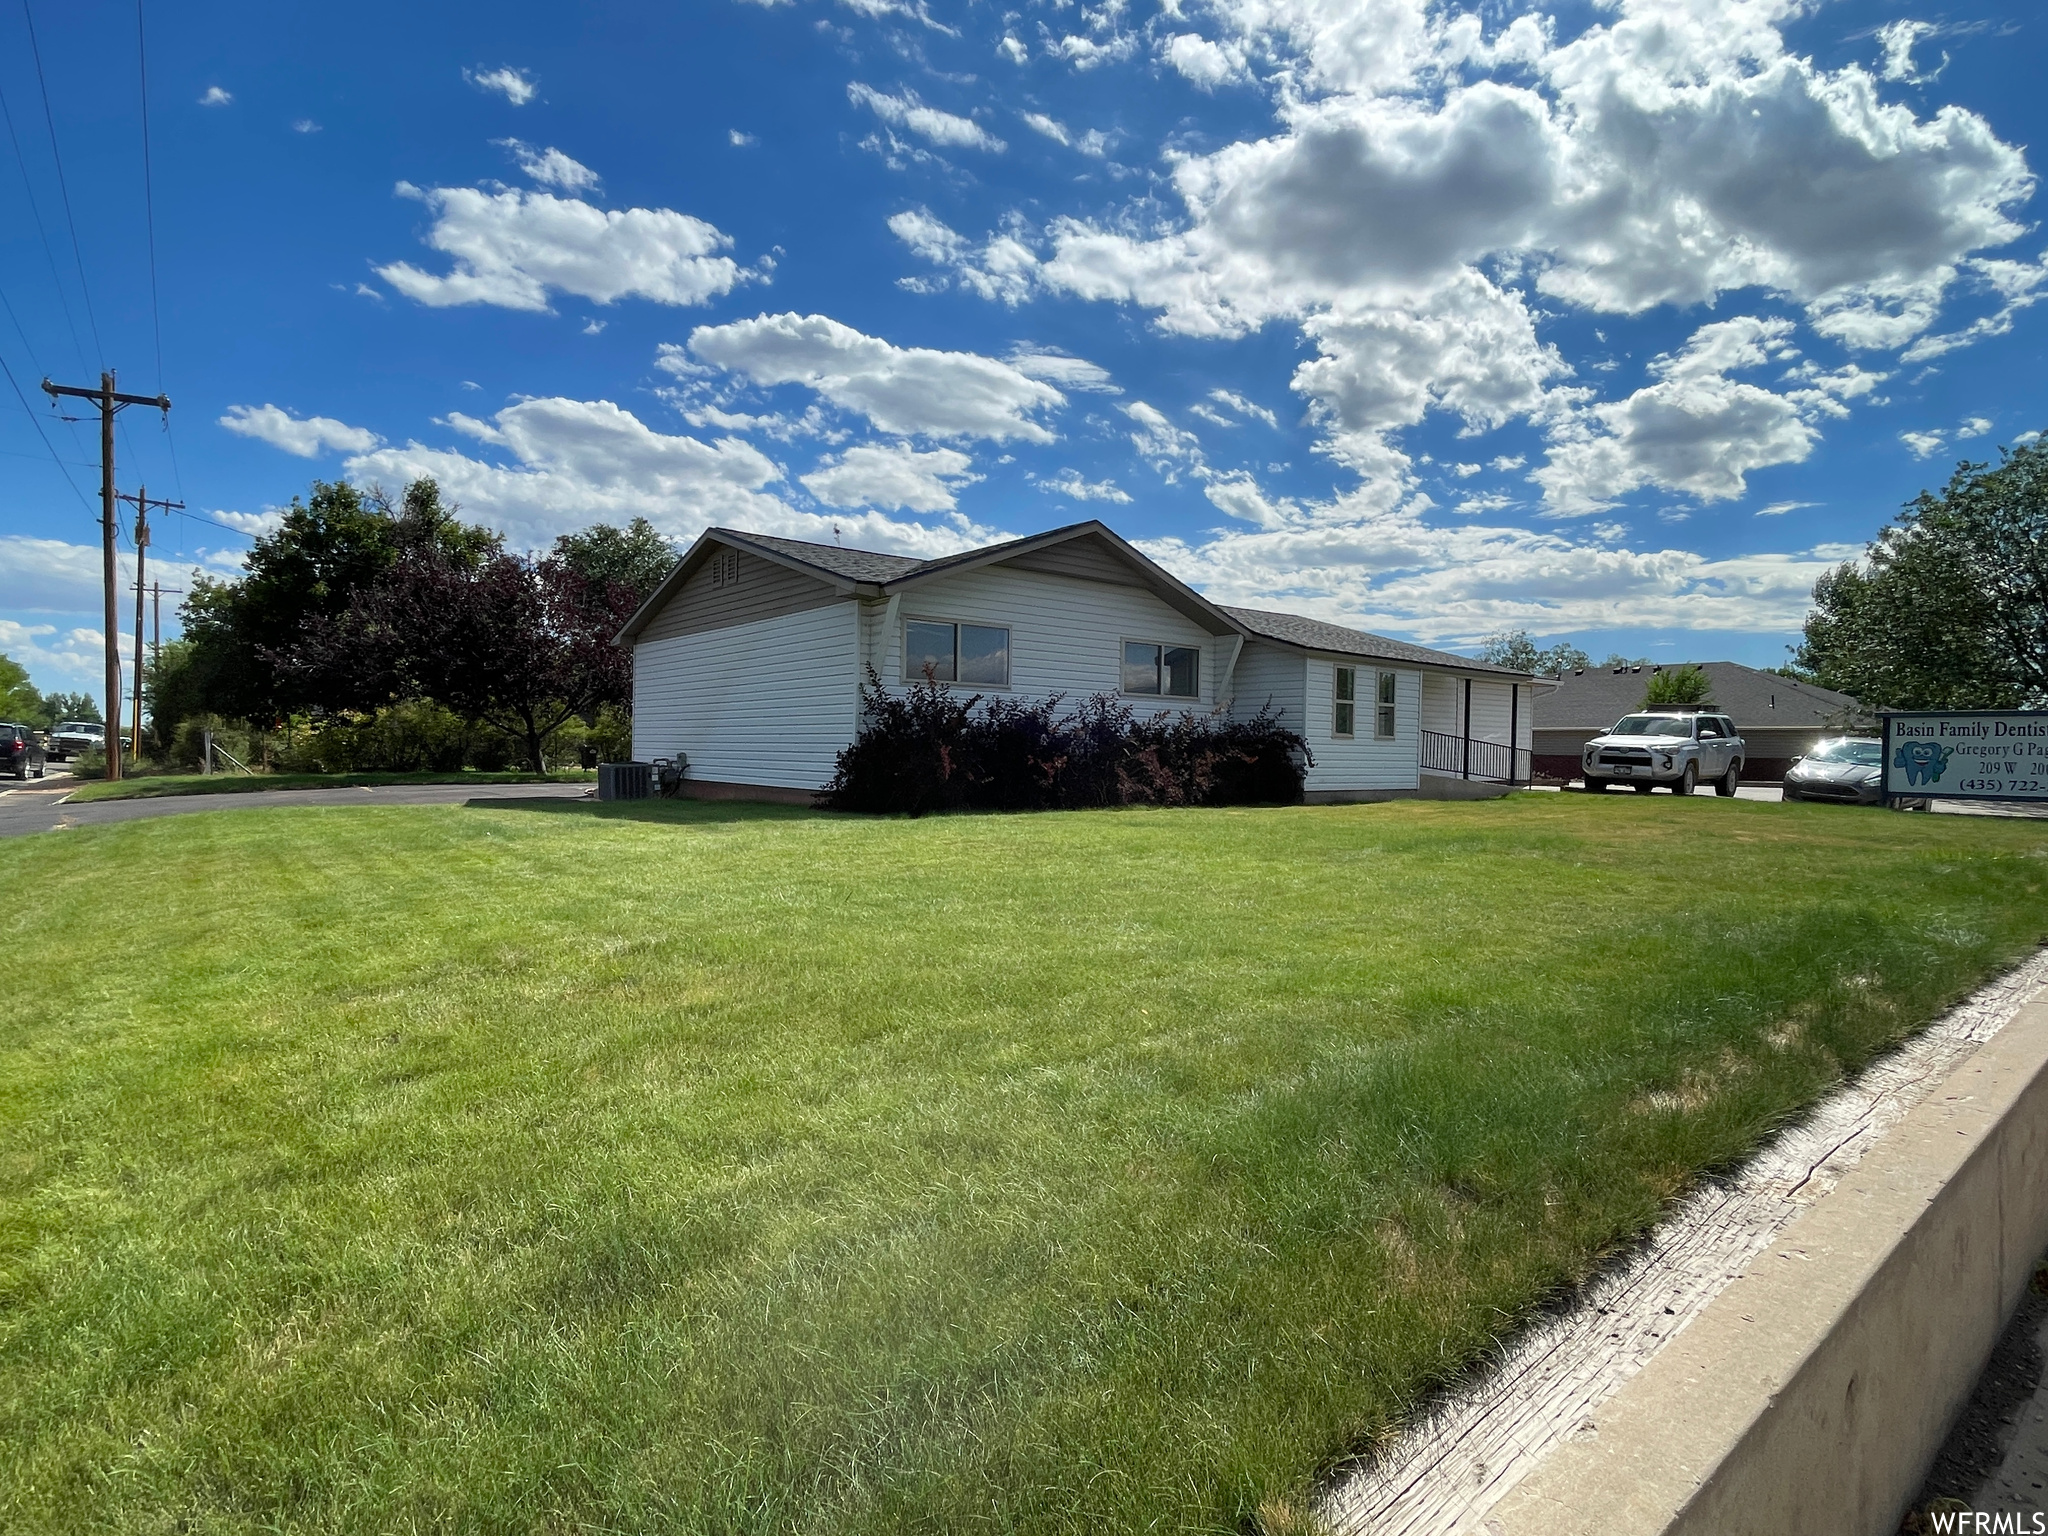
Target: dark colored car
point(68, 738)
point(1847, 770)
point(21, 750)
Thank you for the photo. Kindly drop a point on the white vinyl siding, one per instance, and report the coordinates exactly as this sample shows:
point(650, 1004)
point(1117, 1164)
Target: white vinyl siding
point(1443, 709)
point(771, 702)
point(1066, 635)
point(1269, 674)
point(1365, 761)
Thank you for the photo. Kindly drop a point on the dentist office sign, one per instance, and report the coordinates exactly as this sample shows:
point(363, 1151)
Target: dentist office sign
point(1971, 754)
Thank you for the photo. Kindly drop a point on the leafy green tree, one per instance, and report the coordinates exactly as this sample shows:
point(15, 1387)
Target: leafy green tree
point(1949, 607)
point(1514, 650)
point(1616, 662)
point(18, 697)
point(170, 690)
point(337, 542)
point(70, 706)
point(1678, 685)
point(635, 557)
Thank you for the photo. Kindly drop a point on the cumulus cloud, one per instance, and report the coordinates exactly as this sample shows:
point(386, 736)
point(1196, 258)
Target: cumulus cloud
point(515, 85)
point(929, 123)
point(550, 167)
point(906, 391)
point(216, 97)
point(1002, 267)
point(1206, 63)
point(1923, 444)
point(1695, 429)
point(513, 248)
point(1070, 484)
point(892, 476)
point(1897, 39)
point(1057, 368)
point(305, 436)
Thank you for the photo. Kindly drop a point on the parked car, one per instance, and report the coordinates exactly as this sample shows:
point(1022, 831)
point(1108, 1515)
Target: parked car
point(21, 750)
point(1678, 750)
point(68, 738)
point(1847, 769)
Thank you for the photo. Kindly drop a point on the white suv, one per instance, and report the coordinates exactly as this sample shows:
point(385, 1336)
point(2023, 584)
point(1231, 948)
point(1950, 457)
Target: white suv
point(1676, 748)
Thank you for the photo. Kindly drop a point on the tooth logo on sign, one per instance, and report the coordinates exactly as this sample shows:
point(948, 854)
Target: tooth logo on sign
point(1924, 761)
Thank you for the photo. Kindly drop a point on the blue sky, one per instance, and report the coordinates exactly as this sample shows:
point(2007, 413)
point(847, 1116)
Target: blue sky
point(1617, 323)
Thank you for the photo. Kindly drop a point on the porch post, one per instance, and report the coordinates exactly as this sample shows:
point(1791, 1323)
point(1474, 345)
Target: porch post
point(1465, 771)
point(1515, 730)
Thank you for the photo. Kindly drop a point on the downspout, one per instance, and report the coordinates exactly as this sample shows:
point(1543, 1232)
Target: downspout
point(1229, 674)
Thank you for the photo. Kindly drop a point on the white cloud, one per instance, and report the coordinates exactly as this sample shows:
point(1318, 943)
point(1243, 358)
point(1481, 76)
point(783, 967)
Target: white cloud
point(913, 10)
point(515, 85)
point(216, 97)
point(1207, 64)
point(255, 524)
point(1780, 508)
point(1974, 426)
point(739, 140)
point(550, 167)
point(1897, 39)
point(304, 436)
point(1003, 268)
point(48, 576)
point(305, 125)
point(907, 112)
point(1243, 407)
point(1065, 372)
point(1166, 447)
point(1068, 483)
point(1466, 471)
point(907, 391)
point(894, 477)
point(1695, 430)
point(1013, 49)
point(567, 463)
point(1508, 462)
point(1923, 444)
point(512, 248)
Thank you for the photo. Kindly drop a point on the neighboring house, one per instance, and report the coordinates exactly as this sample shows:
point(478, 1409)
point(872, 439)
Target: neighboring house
point(1779, 718)
point(749, 660)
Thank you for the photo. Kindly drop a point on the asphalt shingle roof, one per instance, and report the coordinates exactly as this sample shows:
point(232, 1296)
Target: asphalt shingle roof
point(1594, 699)
point(853, 564)
point(1315, 635)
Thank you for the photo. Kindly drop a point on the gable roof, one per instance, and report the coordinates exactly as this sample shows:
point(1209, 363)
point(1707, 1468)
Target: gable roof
point(1755, 700)
point(864, 572)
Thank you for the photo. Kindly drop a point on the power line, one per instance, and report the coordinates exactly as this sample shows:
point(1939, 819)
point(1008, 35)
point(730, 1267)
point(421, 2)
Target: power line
point(63, 187)
point(42, 229)
point(37, 422)
point(148, 195)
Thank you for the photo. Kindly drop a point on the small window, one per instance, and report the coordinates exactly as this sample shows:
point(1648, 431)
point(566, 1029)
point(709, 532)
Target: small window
point(1344, 704)
point(1172, 670)
point(978, 654)
point(1383, 711)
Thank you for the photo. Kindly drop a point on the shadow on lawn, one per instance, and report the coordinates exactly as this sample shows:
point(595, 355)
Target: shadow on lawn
point(670, 812)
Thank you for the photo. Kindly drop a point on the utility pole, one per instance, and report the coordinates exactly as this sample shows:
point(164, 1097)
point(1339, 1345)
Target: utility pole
point(143, 503)
point(109, 402)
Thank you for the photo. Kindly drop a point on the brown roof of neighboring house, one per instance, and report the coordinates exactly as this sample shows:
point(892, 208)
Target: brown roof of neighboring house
point(1594, 699)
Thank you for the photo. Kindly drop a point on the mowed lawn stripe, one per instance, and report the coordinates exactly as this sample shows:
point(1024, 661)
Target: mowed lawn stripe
point(720, 1168)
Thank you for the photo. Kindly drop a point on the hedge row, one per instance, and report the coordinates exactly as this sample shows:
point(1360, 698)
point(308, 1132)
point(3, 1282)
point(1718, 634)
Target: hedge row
point(929, 749)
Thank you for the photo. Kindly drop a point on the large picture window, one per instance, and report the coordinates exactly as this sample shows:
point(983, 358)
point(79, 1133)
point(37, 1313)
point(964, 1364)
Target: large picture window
point(977, 654)
point(1383, 710)
point(1174, 671)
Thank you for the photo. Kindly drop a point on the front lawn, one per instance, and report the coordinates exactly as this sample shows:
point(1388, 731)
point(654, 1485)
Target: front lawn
point(684, 1167)
point(150, 786)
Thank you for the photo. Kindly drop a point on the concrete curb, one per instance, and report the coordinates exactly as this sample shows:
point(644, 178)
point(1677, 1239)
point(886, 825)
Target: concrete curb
point(1813, 1394)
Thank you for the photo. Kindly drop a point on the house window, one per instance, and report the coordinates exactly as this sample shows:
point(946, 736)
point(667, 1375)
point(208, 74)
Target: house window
point(1383, 711)
point(1344, 708)
point(1172, 670)
point(978, 654)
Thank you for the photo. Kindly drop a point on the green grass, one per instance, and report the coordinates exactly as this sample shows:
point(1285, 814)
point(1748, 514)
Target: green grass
point(730, 1169)
point(151, 786)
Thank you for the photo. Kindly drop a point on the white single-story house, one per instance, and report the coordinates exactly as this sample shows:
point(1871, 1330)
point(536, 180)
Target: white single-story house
point(748, 660)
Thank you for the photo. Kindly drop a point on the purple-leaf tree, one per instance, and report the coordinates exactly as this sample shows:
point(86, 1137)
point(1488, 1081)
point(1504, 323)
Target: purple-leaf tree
point(520, 644)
